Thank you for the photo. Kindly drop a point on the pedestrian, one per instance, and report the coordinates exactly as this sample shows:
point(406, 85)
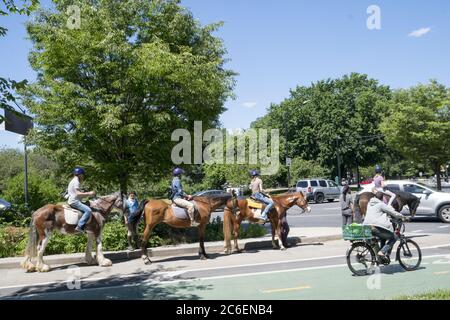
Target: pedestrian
point(346, 206)
point(132, 220)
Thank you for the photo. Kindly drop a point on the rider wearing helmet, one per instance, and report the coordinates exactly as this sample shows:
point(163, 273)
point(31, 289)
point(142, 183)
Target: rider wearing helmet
point(179, 197)
point(380, 185)
point(257, 193)
point(75, 196)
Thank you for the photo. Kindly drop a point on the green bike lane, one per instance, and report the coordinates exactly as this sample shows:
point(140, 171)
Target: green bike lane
point(319, 282)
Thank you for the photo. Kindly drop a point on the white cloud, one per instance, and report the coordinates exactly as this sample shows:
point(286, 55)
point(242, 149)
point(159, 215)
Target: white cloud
point(420, 32)
point(250, 104)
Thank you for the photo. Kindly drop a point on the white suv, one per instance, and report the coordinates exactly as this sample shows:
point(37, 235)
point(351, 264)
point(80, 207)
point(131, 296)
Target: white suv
point(319, 189)
point(432, 202)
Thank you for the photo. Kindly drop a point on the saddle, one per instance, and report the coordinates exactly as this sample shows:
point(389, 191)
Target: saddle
point(256, 207)
point(182, 213)
point(72, 216)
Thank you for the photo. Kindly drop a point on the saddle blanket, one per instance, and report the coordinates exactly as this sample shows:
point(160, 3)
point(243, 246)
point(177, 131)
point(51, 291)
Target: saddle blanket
point(182, 214)
point(254, 204)
point(72, 216)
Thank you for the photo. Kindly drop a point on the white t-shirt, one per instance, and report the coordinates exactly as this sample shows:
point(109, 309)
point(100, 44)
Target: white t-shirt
point(74, 185)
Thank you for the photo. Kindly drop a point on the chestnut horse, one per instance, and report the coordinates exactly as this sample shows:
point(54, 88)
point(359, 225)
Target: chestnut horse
point(157, 211)
point(402, 198)
point(51, 217)
point(238, 210)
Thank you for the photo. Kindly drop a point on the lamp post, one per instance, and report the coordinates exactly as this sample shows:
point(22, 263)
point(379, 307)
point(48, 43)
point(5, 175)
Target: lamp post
point(338, 160)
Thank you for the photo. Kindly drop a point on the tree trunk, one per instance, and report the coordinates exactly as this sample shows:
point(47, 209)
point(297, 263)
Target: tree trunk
point(123, 182)
point(437, 171)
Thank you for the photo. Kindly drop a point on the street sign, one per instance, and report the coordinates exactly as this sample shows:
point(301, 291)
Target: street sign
point(16, 122)
point(288, 162)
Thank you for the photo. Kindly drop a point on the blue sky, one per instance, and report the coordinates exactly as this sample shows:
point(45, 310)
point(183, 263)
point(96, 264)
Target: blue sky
point(277, 45)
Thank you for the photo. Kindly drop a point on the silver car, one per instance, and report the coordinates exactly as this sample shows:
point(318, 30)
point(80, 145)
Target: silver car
point(318, 189)
point(432, 202)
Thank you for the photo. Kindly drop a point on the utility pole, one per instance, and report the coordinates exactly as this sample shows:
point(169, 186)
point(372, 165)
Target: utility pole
point(26, 170)
point(338, 160)
point(288, 164)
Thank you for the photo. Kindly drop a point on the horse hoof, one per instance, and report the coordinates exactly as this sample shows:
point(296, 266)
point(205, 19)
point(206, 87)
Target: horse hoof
point(239, 250)
point(228, 251)
point(283, 248)
point(106, 263)
point(203, 257)
point(30, 267)
point(91, 261)
point(147, 260)
point(44, 268)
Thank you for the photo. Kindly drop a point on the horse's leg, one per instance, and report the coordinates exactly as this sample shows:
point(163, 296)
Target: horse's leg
point(273, 228)
point(279, 233)
point(88, 256)
point(41, 266)
point(102, 261)
point(201, 240)
point(236, 226)
point(148, 229)
point(227, 220)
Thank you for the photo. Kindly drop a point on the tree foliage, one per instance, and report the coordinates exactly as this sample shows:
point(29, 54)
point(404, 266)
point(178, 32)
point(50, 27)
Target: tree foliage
point(418, 124)
point(110, 93)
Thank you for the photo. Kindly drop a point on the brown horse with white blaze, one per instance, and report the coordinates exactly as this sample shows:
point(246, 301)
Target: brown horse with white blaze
point(51, 217)
point(160, 211)
point(238, 210)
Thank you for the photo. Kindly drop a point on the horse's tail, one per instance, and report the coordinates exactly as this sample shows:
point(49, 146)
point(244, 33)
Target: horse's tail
point(31, 249)
point(141, 210)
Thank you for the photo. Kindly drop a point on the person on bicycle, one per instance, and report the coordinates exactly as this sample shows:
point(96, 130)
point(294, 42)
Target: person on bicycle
point(378, 217)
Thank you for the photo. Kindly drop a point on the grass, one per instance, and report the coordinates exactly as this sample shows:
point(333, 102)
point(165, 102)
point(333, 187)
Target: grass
point(433, 295)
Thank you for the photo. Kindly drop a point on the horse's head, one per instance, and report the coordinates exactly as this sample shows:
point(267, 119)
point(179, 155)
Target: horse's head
point(302, 202)
point(296, 199)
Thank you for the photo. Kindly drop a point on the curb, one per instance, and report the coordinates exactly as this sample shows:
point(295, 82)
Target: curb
point(186, 249)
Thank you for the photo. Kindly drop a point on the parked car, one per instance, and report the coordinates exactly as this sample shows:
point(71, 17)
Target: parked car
point(432, 202)
point(319, 189)
point(367, 181)
point(4, 205)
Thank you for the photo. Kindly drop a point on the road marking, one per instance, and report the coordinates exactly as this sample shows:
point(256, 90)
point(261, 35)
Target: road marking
point(442, 227)
point(286, 289)
point(416, 231)
point(306, 215)
point(441, 273)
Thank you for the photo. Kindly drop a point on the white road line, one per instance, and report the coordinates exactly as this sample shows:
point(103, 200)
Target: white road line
point(442, 227)
point(416, 231)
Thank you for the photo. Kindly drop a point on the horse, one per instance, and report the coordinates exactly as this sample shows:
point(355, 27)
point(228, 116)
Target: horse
point(51, 217)
point(157, 211)
point(402, 198)
point(238, 210)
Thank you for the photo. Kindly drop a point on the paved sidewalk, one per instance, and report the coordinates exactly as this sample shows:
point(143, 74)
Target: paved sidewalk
point(296, 235)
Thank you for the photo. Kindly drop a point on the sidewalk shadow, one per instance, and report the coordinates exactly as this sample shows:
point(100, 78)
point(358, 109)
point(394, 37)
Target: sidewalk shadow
point(396, 268)
point(140, 285)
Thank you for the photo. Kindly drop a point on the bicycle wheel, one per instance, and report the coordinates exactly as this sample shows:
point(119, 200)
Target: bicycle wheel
point(409, 255)
point(361, 259)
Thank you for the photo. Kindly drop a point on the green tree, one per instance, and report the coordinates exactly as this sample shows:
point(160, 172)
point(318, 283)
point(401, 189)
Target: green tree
point(418, 124)
point(307, 169)
point(330, 116)
point(110, 93)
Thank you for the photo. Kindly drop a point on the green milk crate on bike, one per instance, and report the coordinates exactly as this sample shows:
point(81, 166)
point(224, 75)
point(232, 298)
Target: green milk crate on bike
point(356, 231)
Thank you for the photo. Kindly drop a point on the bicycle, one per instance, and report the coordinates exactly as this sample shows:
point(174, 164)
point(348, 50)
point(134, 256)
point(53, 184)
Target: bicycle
point(363, 252)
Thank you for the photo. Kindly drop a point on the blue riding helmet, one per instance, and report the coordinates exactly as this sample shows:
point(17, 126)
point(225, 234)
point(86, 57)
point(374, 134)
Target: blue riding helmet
point(177, 171)
point(378, 169)
point(254, 173)
point(78, 171)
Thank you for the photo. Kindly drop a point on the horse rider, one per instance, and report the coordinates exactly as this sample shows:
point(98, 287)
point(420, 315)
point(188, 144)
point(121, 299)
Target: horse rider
point(257, 192)
point(380, 185)
point(76, 194)
point(180, 198)
point(378, 217)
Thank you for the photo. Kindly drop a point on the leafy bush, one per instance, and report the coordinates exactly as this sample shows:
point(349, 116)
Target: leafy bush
point(12, 241)
point(41, 191)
